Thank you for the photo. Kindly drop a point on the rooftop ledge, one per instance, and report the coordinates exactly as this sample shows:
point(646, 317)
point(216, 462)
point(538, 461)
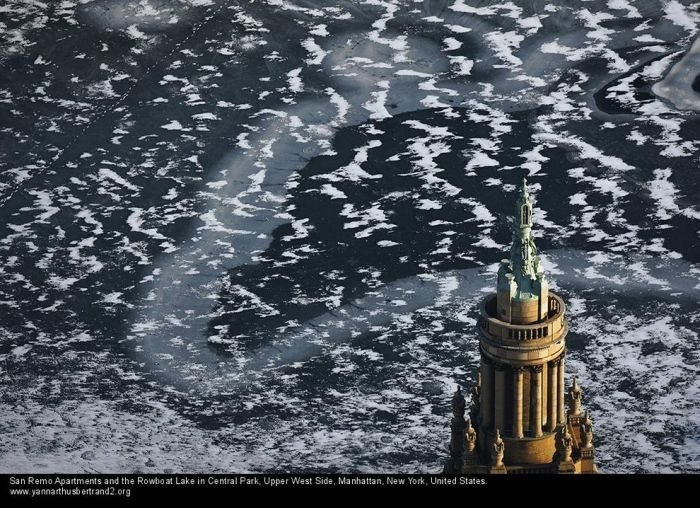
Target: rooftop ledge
point(536, 334)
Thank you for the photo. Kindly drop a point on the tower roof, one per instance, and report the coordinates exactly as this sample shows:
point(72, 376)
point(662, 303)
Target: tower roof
point(523, 270)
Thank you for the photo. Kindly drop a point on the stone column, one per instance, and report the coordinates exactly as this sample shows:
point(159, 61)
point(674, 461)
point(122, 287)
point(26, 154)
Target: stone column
point(561, 410)
point(552, 381)
point(518, 402)
point(536, 399)
point(499, 397)
point(486, 393)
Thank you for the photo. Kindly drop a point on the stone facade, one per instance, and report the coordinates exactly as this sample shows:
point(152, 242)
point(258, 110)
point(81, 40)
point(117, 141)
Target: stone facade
point(518, 422)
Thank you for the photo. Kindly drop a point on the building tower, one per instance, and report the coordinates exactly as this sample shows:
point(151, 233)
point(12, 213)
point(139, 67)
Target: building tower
point(518, 422)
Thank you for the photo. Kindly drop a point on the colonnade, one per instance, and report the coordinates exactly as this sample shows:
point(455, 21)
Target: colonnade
point(546, 400)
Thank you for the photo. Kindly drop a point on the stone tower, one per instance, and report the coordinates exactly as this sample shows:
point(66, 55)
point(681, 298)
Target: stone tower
point(518, 422)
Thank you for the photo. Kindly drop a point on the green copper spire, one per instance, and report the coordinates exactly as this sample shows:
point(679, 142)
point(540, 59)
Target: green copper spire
point(522, 274)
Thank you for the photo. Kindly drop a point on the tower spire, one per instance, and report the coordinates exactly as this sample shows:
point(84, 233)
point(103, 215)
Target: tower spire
point(523, 254)
point(521, 281)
